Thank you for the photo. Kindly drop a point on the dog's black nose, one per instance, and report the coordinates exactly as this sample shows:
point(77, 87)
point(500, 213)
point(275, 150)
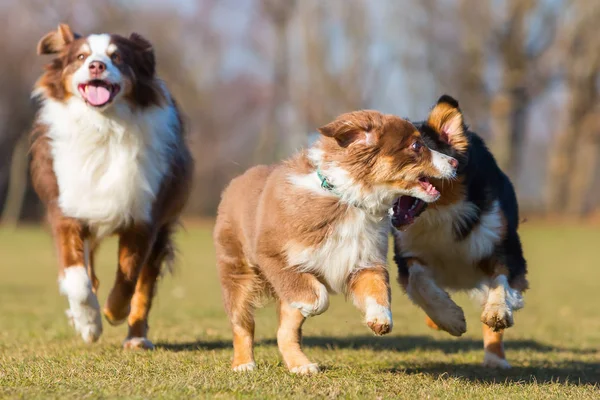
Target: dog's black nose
point(453, 163)
point(97, 67)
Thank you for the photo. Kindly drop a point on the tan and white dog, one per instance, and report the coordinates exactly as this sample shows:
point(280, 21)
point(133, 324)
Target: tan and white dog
point(318, 223)
point(108, 157)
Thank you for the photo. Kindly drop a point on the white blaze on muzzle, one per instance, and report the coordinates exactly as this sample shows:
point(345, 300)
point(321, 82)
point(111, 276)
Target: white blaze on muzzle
point(442, 163)
point(100, 49)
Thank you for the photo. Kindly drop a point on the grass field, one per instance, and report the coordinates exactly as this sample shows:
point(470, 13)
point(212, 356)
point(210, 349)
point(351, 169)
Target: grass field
point(554, 346)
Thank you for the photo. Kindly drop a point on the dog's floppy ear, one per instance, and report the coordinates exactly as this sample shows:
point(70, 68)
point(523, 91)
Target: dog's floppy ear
point(55, 41)
point(349, 129)
point(146, 51)
point(447, 120)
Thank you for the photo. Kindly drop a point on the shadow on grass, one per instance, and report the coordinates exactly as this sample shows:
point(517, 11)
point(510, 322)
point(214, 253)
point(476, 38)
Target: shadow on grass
point(573, 372)
point(388, 343)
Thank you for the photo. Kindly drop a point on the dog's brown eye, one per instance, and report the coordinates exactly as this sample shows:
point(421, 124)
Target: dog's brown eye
point(81, 56)
point(416, 146)
point(115, 57)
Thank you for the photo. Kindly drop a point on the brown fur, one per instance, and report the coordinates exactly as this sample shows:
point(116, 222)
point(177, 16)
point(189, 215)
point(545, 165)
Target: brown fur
point(143, 247)
point(134, 58)
point(264, 219)
point(445, 118)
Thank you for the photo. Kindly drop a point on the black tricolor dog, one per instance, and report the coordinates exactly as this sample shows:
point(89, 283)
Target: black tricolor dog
point(467, 240)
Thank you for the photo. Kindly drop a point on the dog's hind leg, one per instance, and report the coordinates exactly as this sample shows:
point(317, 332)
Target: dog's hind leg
point(289, 337)
point(135, 245)
point(437, 304)
point(240, 290)
point(145, 288)
point(493, 349)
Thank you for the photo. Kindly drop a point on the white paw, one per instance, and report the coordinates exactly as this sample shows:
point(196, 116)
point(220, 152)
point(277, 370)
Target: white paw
point(497, 316)
point(491, 360)
point(514, 299)
point(307, 369)
point(378, 317)
point(245, 367)
point(135, 343)
point(320, 305)
point(84, 310)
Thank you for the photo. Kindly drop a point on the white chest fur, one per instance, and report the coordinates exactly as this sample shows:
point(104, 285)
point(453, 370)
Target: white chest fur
point(109, 166)
point(359, 241)
point(453, 263)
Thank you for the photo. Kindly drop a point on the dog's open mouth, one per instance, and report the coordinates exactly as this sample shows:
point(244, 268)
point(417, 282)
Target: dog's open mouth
point(407, 208)
point(98, 93)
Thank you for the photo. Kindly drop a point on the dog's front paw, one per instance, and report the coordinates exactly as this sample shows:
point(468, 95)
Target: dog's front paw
point(318, 305)
point(451, 319)
point(307, 369)
point(84, 311)
point(378, 318)
point(497, 316)
point(137, 343)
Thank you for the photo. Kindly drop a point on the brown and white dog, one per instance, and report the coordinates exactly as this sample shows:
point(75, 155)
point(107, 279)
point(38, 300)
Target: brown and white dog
point(467, 240)
point(318, 223)
point(108, 157)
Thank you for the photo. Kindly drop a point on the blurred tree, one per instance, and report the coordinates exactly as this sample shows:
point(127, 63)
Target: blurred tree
point(574, 159)
point(256, 77)
point(334, 74)
point(268, 148)
point(520, 50)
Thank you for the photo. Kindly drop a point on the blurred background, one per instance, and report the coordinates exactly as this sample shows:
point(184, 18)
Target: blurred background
point(255, 79)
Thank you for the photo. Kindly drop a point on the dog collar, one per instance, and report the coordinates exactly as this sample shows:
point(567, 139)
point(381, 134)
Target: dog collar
point(325, 184)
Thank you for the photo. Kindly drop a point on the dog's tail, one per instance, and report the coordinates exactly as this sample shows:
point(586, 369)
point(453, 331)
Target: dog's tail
point(165, 249)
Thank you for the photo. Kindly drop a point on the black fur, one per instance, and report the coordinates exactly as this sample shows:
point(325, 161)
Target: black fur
point(485, 183)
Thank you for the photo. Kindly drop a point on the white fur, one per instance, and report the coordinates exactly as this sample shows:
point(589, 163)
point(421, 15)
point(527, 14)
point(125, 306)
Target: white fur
point(360, 241)
point(377, 314)
point(452, 263)
point(109, 165)
point(438, 305)
point(376, 200)
point(442, 163)
point(491, 360)
point(307, 369)
point(245, 367)
point(318, 307)
point(100, 48)
point(514, 298)
point(111, 49)
point(501, 301)
point(99, 44)
point(84, 310)
point(138, 343)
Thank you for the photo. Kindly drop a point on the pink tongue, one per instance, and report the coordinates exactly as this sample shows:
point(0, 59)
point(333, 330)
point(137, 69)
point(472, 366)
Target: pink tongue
point(97, 95)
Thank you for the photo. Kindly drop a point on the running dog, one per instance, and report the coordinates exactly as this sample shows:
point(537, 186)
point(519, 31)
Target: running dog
point(467, 240)
point(108, 157)
point(318, 223)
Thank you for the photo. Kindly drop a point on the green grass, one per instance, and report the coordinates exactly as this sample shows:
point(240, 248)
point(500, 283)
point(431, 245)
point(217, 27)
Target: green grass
point(553, 347)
